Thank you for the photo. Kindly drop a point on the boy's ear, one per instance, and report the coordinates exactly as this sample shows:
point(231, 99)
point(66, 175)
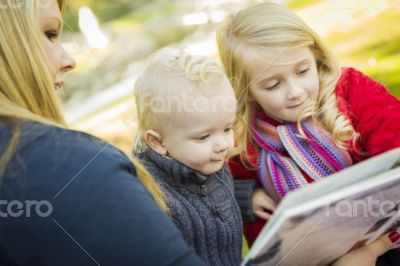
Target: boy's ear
point(155, 142)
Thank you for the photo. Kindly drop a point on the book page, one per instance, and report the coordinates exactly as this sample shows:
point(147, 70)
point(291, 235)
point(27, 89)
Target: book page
point(335, 224)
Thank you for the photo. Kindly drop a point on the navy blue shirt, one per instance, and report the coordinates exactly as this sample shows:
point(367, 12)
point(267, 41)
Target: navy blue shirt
point(67, 198)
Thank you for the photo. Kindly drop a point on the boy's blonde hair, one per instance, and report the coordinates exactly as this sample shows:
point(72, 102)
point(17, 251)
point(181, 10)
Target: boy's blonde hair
point(264, 28)
point(166, 74)
point(27, 90)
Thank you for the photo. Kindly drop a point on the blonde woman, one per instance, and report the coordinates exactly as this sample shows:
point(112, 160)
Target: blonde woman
point(66, 197)
point(300, 117)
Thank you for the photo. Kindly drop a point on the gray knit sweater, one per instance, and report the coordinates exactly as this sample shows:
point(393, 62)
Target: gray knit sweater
point(203, 208)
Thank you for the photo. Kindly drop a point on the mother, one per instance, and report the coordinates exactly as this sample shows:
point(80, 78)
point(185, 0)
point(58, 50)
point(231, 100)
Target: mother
point(68, 198)
point(91, 207)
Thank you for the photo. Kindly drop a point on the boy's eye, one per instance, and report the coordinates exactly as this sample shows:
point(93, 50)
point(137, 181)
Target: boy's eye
point(204, 137)
point(51, 34)
point(270, 88)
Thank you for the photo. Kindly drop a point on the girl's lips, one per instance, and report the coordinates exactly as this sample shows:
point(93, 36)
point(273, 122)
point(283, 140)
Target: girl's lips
point(296, 105)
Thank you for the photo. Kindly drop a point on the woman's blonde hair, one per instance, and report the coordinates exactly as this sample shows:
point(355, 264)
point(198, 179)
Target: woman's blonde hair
point(266, 27)
point(165, 71)
point(26, 86)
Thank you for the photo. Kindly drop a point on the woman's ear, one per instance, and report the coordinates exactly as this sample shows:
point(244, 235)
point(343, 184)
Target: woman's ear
point(155, 142)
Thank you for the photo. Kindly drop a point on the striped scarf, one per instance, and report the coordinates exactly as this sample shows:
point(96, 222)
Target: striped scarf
point(317, 155)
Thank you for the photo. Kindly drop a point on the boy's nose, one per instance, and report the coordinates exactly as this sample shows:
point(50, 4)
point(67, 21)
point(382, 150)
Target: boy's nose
point(221, 144)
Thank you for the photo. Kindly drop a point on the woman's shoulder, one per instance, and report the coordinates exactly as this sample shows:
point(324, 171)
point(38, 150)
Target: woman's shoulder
point(38, 138)
point(46, 153)
point(93, 192)
point(51, 136)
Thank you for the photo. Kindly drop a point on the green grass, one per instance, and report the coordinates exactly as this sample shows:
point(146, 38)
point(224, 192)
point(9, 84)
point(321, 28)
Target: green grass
point(133, 19)
point(375, 39)
point(141, 16)
point(245, 248)
point(297, 4)
point(388, 73)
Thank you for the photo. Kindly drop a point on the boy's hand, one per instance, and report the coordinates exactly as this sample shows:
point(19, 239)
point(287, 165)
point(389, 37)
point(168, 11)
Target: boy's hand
point(263, 205)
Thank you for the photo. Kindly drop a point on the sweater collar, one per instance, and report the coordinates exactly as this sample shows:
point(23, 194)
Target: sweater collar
point(177, 172)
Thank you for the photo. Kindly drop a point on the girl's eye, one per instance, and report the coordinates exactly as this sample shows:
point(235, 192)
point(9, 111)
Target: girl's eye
point(270, 88)
point(227, 129)
point(302, 72)
point(204, 137)
point(51, 34)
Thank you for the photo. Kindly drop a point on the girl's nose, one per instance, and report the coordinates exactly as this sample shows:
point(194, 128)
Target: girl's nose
point(295, 90)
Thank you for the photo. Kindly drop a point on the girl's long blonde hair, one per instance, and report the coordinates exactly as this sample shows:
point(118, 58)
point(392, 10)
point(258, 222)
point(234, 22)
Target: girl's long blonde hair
point(26, 87)
point(266, 27)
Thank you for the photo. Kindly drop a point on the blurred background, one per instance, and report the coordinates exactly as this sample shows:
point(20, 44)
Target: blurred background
point(111, 40)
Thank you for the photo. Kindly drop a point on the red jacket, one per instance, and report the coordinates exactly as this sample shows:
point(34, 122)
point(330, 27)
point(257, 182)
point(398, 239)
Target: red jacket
point(373, 112)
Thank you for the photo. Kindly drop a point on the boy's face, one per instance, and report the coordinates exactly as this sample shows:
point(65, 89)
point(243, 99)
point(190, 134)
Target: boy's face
point(200, 134)
point(285, 83)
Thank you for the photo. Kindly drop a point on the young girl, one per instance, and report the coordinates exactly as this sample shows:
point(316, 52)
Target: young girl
point(300, 117)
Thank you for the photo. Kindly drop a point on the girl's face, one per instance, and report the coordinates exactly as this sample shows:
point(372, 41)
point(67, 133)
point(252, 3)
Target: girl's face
point(50, 21)
point(285, 83)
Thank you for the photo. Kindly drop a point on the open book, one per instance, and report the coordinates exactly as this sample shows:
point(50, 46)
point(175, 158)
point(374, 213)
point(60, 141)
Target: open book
point(321, 222)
